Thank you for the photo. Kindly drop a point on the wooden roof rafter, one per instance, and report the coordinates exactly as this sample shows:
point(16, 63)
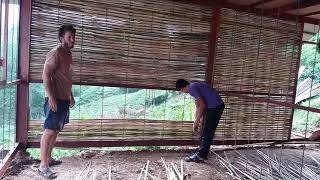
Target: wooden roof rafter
point(277, 10)
point(312, 13)
point(292, 6)
point(254, 5)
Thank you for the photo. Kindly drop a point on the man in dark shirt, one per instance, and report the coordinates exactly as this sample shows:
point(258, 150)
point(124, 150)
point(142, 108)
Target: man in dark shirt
point(209, 107)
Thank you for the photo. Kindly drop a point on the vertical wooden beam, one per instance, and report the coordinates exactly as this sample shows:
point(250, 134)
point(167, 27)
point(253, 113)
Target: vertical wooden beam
point(1, 58)
point(23, 72)
point(213, 40)
point(296, 77)
point(5, 40)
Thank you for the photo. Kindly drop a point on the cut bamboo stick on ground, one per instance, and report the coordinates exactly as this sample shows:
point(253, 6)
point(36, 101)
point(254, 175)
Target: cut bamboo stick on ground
point(147, 174)
point(87, 173)
point(110, 173)
point(269, 168)
point(140, 175)
point(146, 171)
point(172, 171)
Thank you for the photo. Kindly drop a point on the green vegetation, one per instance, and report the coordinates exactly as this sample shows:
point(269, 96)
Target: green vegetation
point(111, 102)
point(310, 58)
point(301, 117)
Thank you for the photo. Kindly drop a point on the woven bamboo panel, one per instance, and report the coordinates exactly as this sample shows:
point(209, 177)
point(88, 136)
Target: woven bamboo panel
point(125, 43)
point(242, 120)
point(256, 56)
point(117, 129)
point(152, 43)
point(247, 120)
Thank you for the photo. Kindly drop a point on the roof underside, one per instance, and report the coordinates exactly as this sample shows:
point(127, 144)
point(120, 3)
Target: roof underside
point(302, 10)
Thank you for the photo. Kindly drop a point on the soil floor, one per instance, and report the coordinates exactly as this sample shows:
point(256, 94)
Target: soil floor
point(128, 164)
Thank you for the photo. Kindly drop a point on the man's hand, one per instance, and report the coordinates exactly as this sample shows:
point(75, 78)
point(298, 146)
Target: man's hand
point(53, 104)
point(195, 128)
point(72, 102)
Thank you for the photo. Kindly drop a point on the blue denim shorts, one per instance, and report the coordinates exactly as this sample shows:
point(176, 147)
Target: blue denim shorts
point(56, 120)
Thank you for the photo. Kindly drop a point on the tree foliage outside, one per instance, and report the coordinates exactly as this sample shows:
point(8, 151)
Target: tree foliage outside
point(304, 121)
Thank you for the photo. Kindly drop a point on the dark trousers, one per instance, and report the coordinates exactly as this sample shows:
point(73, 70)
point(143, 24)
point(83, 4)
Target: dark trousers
point(211, 121)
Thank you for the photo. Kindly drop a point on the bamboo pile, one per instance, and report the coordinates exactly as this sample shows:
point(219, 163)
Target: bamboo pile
point(172, 172)
point(270, 168)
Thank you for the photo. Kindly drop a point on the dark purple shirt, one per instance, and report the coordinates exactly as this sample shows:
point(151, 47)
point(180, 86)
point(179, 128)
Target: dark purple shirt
point(209, 94)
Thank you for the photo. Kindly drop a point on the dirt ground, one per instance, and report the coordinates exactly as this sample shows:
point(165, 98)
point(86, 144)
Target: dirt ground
point(128, 164)
point(125, 165)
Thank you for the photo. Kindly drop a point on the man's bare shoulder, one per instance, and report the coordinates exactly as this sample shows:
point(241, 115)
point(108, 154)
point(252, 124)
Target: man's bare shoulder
point(54, 50)
point(52, 56)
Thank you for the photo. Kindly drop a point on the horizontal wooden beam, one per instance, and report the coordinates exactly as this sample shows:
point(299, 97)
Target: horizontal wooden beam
point(158, 87)
point(9, 84)
point(201, 2)
point(256, 93)
point(162, 88)
point(289, 105)
point(299, 18)
point(310, 33)
point(254, 5)
point(312, 13)
point(112, 143)
point(292, 6)
point(309, 42)
point(79, 144)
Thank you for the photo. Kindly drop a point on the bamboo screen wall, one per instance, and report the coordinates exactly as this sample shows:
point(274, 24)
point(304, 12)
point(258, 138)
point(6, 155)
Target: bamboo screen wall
point(125, 43)
point(150, 44)
point(140, 43)
point(256, 57)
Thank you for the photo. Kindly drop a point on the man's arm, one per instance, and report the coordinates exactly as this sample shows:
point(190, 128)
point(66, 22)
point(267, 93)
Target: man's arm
point(200, 108)
point(48, 70)
point(72, 102)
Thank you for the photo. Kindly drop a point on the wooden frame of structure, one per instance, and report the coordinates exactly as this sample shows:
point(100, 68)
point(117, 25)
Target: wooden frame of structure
point(285, 12)
point(22, 95)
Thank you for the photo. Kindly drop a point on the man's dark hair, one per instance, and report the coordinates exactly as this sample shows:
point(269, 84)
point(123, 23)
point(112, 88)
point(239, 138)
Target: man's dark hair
point(64, 28)
point(181, 83)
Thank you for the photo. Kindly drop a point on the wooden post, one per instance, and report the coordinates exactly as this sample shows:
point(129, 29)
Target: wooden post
point(213, 40)
point(22, 101)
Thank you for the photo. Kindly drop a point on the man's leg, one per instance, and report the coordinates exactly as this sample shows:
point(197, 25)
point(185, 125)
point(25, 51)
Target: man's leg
point(46, 138)
point(52, 142)
point(210, 125)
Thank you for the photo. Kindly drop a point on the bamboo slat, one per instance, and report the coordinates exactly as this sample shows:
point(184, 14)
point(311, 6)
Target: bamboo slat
point(130, 43)
point(138, 129)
